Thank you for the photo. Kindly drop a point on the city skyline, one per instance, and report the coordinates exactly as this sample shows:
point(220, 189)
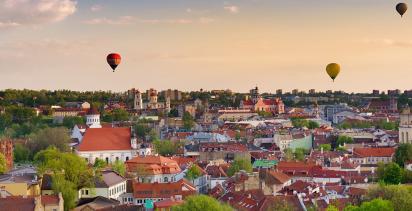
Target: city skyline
point(189, 45)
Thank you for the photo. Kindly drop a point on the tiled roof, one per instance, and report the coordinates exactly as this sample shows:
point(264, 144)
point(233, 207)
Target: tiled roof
point(373, 152)
point(167, 203)
point(49, 200)
point(17, 203)
point(231, 147)
point(279, 177)
point(153, 165)
point(100, 139)
point(163, 190)
point(215, 171)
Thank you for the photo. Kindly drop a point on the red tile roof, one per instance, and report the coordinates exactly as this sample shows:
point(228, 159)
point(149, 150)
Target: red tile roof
point(49, 200)
point(373, 152)
point(100, 139)
point(231, 147)
point(17, 203)
point(154, 165)
point(163, 190)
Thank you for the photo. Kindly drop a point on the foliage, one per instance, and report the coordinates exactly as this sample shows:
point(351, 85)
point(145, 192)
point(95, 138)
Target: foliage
point(3, 164)
point(399, 195)
point(193, 172)
point(403, 153)
point(200, 203)
point(344, 140)
point(99, 164)
point(119, 167)
point(142, 130)
point(390, 173)
point(70, 173)
point(5, 120)
point(288, 154)
point(44, 138)
point(239, 164)
point(68, 190)
point(166, 147)
point(300, 154)
point(20, 153)
point(188, 121)
point(325, 147)
point(20, 114)
point(73, 167)
point(374, 205)
point(332, 208)
point(70, 121)
point(299, 122)
point(116, 115)
point(313, 124)
point(265, 114)
point(173, 113)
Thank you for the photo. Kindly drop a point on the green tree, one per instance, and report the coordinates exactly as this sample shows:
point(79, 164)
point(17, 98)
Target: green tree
point(44, 138)
point(120, 115)
point(300, 154)
point(313, 125)
point(119, 167)
point(188, 121)
point(3, 164)
point(165, 147)
point(201, 203)
point(280, 205)
point(288, 154)
point(399, 195)
point(5, 121)
point(299, 122)
point(390, 173)
point(403, 153)
point(193, 172)
point(70, 121)
point(239, 164)
point(332, 208)
point(68, 190)
point(20, 153)
point(173, 113)
point(73, 167)
point(325, 147)
point(99, 164)
point(142, 130)
point(374, 205)
point(344, 139)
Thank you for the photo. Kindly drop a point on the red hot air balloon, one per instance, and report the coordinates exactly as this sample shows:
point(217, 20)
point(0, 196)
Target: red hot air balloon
point(113, 60)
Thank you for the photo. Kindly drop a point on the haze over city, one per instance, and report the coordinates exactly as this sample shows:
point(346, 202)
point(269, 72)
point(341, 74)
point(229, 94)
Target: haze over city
point(190, 45)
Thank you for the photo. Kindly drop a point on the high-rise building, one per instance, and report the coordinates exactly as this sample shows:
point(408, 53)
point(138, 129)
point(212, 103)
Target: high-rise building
point(174, 95)
point(375, 92)
point(295, 91)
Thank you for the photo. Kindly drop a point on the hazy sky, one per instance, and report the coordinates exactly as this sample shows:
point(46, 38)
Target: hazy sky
point(213, 44)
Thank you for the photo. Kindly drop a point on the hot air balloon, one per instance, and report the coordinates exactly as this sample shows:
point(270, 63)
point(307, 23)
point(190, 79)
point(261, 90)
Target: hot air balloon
point(401, 8)
point(333, 70)
point(113, 60)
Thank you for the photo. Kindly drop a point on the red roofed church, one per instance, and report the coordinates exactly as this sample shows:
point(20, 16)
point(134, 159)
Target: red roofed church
point(109, 144)
point(257, 103)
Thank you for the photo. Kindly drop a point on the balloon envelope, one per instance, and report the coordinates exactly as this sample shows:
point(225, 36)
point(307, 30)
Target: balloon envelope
point(401, 8)
point(333, 70)
point(113, 60)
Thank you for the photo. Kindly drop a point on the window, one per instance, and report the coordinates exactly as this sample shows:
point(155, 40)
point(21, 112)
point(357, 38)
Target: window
point(117, 158)
point(107, 160)
point(87, 192)
point(165, 179)
point(127, 158)
point(82, 192)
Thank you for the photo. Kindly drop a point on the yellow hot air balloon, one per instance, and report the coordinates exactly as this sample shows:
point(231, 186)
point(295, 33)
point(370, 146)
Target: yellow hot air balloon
point(333, 70)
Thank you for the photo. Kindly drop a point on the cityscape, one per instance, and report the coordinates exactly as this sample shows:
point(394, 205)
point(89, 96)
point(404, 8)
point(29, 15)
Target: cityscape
point(249, 105)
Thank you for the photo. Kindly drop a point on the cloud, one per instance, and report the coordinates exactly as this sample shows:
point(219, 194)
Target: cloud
point(125, 20)
point(96, 8)
point(231, 8)
point(33, 12)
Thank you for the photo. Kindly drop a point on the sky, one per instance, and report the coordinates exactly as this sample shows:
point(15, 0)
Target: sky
point(214, 44)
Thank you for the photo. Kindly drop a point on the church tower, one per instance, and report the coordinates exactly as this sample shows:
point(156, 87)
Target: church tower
point(167, 106)
point(138, 101)
point(254, 93)
point(405, 126)
point(93, 118)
